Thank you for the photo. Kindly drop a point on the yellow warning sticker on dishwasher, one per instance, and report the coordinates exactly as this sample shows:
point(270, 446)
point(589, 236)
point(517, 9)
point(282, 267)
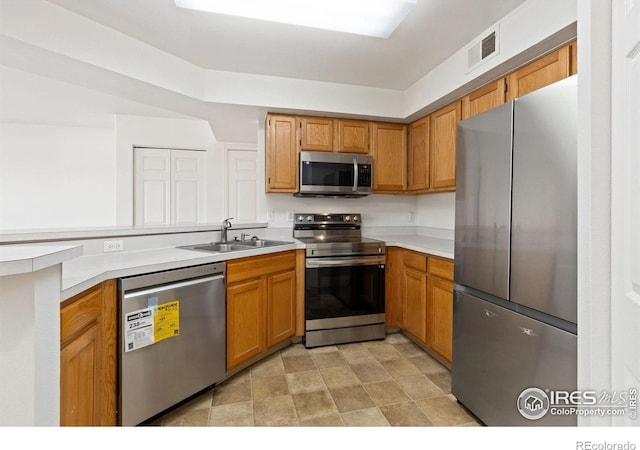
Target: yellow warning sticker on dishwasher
point(166, 321)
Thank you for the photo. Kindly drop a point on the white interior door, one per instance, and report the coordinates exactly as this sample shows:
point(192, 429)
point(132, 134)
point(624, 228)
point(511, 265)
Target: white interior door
point(151, 186)
point(242, 175)
point(188, 202)
point(169, 187)
point(625, 190)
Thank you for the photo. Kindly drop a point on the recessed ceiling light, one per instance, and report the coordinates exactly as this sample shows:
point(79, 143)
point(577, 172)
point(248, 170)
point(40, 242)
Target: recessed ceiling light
point(377, 18)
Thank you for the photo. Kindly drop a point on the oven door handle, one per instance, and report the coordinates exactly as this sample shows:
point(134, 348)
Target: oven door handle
point(344, 262)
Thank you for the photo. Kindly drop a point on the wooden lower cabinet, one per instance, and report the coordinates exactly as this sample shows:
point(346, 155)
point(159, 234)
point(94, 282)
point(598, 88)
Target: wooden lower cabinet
point(261, 305)
point(88, 357)
point(419, 298)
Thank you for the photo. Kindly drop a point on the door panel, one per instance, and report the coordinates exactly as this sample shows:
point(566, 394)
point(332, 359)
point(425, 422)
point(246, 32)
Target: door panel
point(544, 203)
point(483, 201)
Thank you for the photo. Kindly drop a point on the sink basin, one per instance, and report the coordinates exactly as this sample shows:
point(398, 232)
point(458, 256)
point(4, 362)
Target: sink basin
point(224, 247)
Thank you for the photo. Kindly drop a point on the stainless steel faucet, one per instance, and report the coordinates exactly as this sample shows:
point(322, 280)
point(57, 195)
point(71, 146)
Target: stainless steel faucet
point(223, 229)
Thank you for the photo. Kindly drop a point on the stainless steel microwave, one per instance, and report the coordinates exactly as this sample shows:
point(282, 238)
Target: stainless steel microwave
point(325, 174)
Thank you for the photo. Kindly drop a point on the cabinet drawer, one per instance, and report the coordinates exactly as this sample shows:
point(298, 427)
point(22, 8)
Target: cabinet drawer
point(441, 268)
point(257, 266)
point(415, 260)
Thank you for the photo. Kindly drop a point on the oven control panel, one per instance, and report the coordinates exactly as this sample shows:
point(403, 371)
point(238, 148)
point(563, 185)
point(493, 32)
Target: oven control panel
point(328, 219)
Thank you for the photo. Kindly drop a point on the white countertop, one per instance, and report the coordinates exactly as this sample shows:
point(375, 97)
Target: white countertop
point(25, 259)
point(424, 244)
point(82, 272)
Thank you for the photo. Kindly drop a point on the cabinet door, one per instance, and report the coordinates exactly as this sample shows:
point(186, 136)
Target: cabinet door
point(487, 97)
point(316, 133)
point(440, 316)
point(245, 321)
point(389, 145)
point(414, 295)
point(393, 287)
point(282, 154)
point(443, 125)
point(80, 379)
point(550, 68)
point(418, 155)
point(88, 338)
point(353, 136)
point(281, 307)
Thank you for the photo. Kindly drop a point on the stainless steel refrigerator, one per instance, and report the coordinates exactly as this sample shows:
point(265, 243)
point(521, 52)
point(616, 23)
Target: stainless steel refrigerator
point(515, 318)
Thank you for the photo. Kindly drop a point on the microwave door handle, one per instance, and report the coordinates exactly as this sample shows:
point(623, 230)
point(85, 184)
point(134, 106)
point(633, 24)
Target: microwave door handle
point(355, 175)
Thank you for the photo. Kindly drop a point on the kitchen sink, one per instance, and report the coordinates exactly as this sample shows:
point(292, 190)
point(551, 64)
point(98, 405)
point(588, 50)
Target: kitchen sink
point(234, 246)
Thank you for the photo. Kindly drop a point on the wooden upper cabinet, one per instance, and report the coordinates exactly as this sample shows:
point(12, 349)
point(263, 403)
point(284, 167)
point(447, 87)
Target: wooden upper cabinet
point(443, 124)
point(281, 154)
point(316, 133)
point(389, 150)
point(353, 136)
point(418, 156)
point(573, 66)
point(544, 71)
point(487, 97)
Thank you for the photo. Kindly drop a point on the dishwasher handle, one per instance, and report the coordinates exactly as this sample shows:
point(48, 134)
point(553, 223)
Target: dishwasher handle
point(167, 287)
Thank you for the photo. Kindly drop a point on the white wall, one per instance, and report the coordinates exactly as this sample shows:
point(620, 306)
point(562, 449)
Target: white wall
point(56, 177)
point(437, 210)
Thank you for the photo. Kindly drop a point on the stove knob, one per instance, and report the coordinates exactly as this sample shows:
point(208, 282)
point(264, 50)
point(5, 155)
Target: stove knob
point(309, 218)
point(347, 219)
point(355, 218)
point(300, 218)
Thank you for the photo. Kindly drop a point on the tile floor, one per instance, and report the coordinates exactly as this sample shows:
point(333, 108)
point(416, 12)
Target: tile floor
point(379, 383)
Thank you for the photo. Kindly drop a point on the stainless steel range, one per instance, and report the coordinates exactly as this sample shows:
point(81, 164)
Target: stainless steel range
point(344, 279)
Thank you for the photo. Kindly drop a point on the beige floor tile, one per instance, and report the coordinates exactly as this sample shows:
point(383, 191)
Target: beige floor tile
point(294, 350)
point(187, 418)
point(307, 381)
point(267, 387)
point(405, 415)
point(409, 349)
point(232, 415)
point(239, 377)
point(370, 417)
point(357, 354)
point(442, 380)
point(369, 372)
point(351, 398)
point(396, 338)
point(401, 367)
point(298, 363)
point(327, 421)
point(427, 364)
point(444, 412)
point(384, 352)
point(419, 387)
point(323, 349)
point(314, 404)
point(274, 411)
point(329, 359)
point(268, 367)
point(234, 392)
point(386, 392)
point(337, 377)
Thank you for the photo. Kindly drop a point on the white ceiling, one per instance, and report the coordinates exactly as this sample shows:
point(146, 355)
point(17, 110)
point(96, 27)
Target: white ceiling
point(432, 32)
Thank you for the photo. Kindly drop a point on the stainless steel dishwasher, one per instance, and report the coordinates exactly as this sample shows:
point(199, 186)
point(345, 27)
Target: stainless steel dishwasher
point(172, 338)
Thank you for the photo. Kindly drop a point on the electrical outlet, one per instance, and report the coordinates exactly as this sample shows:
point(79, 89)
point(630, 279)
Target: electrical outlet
point(290, 215)
point(113, 246)
point(412, 216)
point(271, 215)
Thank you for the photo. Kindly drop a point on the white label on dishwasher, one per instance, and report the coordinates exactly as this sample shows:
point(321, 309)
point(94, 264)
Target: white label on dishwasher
point(138, 329)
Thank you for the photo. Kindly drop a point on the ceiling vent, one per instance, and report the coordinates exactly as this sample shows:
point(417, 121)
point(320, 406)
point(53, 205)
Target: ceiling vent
point(484, 49)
